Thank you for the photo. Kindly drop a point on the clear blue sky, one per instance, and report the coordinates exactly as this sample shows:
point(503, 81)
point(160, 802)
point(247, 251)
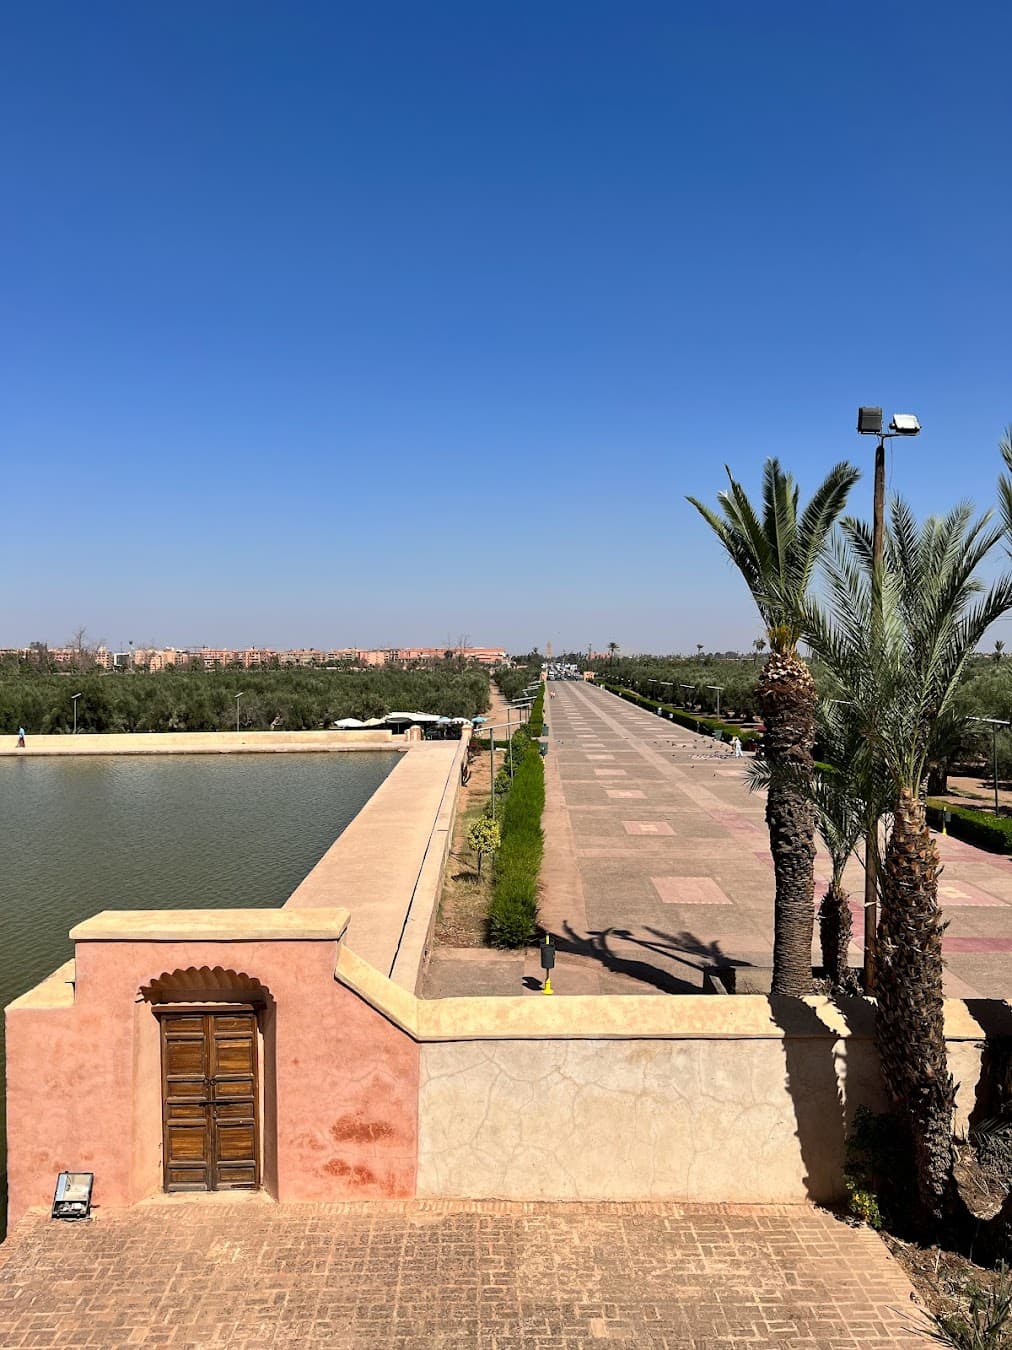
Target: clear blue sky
point(371, 324)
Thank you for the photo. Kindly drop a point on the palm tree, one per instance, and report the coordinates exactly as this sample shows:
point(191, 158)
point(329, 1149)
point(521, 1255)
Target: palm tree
point(934, 613)
point(841, 788)
point(777, 556)
point(999, 648)
point(759, 645)
point(612, 649)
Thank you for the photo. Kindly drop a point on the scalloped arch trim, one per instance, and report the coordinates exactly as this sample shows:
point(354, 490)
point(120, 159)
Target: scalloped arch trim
point(205, 984)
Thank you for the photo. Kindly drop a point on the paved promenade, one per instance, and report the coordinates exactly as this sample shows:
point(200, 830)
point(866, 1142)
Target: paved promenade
point(657, 866)
point(178, 1275)
point(671, 856)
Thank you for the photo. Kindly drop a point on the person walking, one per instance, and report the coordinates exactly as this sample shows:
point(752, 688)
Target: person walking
point(736, 747)
point(21, 738)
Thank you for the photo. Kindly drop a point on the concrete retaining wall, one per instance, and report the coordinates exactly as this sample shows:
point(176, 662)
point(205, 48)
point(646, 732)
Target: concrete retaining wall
point(199, 742)
point(371, 1091)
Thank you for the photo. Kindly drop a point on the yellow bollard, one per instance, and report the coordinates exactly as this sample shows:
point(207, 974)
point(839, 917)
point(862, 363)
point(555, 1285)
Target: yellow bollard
point(548, 985)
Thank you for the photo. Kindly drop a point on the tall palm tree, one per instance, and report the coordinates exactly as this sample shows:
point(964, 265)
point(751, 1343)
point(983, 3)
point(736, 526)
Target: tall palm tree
point(777, 555)
point(612, 649)
point(934, 613)
point(841, 787)
point(759, 647)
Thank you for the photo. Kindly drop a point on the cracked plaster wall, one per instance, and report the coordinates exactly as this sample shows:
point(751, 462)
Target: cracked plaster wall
point(695, 1120)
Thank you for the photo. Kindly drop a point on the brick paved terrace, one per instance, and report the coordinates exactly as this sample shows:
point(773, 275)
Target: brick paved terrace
point(427, 1275)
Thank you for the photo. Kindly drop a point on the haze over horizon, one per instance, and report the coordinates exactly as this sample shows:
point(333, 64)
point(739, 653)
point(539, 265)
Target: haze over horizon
point(329, 327)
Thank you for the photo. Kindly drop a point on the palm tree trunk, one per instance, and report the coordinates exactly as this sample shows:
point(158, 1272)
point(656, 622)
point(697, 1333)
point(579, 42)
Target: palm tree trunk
point(835, 926)
point(909, 1027)
point(787, 699)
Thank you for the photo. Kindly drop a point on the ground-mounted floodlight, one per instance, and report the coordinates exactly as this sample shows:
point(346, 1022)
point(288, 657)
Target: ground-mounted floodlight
point(72, 1199)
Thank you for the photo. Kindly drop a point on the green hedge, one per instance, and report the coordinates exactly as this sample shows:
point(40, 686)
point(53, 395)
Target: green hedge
point(706, 726)
point(513, 914)
point(973, 827)
point(536, 721)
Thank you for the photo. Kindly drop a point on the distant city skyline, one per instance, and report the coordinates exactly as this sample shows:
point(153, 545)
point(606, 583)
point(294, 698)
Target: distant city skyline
point(326, 319)
point(428, 649)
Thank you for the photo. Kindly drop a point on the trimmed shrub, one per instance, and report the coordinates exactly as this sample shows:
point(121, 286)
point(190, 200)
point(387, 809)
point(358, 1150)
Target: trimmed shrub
point(706, 726)
point(974, 827)
point(536, 721)
point(513, 913)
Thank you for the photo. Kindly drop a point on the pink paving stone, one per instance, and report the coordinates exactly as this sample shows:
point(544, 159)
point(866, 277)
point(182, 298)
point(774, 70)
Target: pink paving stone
point(600, 756)
point(689, 891)
point(963, 895)
point(647, 827)
point(610, 773)
point(625, 793)
point(976, 944)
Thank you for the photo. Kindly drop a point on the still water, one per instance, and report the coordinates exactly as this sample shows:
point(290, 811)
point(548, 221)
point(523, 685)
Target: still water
point(158, 832)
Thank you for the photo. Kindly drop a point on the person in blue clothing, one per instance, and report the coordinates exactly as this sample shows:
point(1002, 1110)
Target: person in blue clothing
point(21, 738)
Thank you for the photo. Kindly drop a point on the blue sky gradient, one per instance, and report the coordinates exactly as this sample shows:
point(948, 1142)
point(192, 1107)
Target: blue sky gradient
point(332, 325)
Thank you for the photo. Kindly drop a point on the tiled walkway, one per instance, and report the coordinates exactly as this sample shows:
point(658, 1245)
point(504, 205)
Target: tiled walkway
point(429, 1276)
point(657, 865)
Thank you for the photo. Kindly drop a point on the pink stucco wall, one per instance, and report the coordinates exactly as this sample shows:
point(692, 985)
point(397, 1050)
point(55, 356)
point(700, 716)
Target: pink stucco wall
point(84, 1087)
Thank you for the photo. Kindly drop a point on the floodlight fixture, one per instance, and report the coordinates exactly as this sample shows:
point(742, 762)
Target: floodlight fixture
point(869, 421)
point(904, 424)
point(72, 1199)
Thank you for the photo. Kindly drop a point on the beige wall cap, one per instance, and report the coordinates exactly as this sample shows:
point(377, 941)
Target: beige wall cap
point(647, 1017)
point(55, 991)
point(212, 925)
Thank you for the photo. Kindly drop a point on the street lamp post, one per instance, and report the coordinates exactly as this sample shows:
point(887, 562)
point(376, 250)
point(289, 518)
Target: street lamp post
point(994, 723)
point(718, 688)
point(75, 697)
point(869, 423)
point(237, 698)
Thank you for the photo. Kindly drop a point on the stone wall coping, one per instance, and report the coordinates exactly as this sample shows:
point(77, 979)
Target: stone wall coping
point(212, 925)
point(646, 1017)
point(55, 991)
point(202, 742)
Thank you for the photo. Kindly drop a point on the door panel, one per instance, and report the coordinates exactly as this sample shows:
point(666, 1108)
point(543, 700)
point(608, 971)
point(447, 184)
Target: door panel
point(210, 1101)
point(233, 1056)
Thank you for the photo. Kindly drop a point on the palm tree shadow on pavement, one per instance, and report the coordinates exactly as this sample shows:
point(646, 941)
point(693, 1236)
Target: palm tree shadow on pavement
point(682, 946)
point(599, 945)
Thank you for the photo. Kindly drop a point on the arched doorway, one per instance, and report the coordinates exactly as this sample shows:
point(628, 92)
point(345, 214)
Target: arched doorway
point(211, 1033)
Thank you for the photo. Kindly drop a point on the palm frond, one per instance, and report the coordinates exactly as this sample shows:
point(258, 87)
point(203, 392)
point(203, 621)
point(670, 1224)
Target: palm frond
point(775, 554)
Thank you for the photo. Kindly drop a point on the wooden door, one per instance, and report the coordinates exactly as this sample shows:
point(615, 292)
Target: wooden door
point(210, 1100)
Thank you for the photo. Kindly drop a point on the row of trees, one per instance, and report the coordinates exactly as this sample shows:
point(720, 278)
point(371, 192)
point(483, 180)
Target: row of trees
point(984, 690)
point(897, 637)
point(292, 700)
point(688, 682)
point(512, 680)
